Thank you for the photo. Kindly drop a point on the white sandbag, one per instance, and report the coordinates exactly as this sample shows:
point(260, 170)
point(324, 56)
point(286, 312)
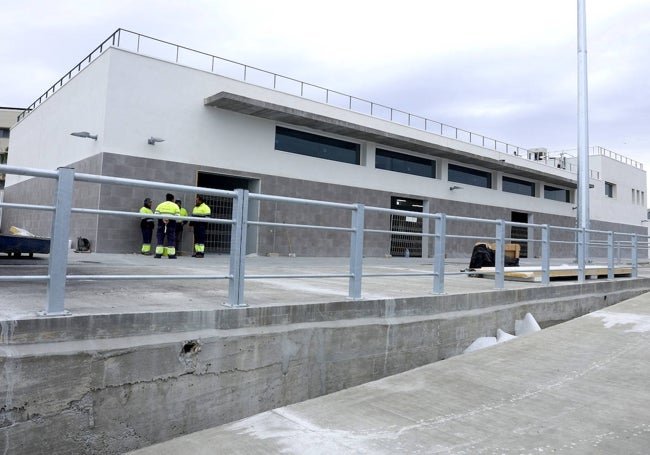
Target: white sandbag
point(504, 336)
point(480, 343)
point(526, 326)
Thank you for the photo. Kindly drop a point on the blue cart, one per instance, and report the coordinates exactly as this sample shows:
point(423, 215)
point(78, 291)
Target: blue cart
point(17, 245)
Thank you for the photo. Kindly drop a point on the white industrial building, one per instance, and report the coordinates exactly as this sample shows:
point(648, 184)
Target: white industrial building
point(227, 126)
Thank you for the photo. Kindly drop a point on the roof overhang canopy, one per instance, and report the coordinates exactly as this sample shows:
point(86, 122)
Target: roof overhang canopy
point(291, 116)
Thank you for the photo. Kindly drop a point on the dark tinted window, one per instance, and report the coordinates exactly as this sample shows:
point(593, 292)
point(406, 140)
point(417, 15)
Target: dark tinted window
point(407, 164)
point(556, 194)
point(517, 186)
point(461, 174)
point(317, 146)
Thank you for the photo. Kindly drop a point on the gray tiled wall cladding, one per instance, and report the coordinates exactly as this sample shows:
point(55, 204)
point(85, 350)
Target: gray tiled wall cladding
point(122, 235)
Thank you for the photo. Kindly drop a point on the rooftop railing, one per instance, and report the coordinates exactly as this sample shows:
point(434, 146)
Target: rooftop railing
point(146, 45)
point(616, 156)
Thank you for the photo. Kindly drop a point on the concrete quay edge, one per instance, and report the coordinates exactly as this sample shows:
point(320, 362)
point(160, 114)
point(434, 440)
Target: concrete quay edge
point(576, 387)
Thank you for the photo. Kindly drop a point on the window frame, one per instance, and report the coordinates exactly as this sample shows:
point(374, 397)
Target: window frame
point(520, 182)
point(317, 146)
point(471, 172)
point(549, 188)
point(404, 158)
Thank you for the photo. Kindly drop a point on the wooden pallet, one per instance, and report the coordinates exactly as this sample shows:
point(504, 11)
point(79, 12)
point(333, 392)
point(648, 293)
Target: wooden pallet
point(558, 272)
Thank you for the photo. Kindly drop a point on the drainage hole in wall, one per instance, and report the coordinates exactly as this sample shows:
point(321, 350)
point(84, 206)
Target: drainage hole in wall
point(190, 347)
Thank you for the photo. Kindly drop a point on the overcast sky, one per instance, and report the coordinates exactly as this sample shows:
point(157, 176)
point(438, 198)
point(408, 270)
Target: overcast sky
point(506, 69)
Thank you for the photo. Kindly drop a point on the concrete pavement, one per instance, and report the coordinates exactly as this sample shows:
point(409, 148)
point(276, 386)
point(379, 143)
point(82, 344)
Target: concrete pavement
point(124, 296)
point(23, 300)
point(577, 387)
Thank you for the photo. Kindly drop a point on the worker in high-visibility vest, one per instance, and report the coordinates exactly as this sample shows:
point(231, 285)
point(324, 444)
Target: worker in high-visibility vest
point(146, 227)
point(179, 227)
point(167, 227)
point(202, 210)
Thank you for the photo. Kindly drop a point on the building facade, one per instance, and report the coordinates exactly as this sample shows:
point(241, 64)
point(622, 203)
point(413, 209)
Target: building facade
point(293, 140)
point(8, 116)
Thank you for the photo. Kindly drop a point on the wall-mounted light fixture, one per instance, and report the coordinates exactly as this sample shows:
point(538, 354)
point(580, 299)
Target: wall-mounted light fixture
point(152, 140)
point(455, 187)
point(84, 134)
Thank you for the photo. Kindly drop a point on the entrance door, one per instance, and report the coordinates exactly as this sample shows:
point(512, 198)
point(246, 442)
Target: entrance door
point(404, 244)
point(218, 235)
point(520, 232)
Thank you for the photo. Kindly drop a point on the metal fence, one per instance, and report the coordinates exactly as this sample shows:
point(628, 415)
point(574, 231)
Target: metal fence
point(611, 245)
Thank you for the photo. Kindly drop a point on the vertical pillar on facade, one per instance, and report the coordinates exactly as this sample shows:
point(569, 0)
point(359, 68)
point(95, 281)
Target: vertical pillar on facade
point(439, 246)
point(356, 252)
point(58, 264)
point(498, 254)
point(610, 255)
point(546, 255)
point(238, 250)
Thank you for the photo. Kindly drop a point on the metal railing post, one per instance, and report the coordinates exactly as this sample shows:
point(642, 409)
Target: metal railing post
point(635, 256)
point(425, 232)
point(500, 251)
point(238, 250)
point(440, 228)
point(581, 255)
point(58, 263)
point(356, 252)
point(610, 255)
point(546, 255)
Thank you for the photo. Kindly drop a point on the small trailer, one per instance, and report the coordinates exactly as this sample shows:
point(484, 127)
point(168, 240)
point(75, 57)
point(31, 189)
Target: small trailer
point(17, 245)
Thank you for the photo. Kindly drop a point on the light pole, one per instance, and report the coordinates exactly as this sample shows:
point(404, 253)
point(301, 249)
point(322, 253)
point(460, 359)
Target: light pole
point(583, 134)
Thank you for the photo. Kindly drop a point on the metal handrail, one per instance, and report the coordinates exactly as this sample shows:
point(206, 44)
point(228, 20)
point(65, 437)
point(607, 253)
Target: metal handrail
point(239, 222)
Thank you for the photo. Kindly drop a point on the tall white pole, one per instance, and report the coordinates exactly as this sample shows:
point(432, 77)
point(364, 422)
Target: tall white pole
point(583, 123)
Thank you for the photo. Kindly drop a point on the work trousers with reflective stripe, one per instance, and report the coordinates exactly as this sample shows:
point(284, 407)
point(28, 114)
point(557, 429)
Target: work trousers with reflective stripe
point(166, 232)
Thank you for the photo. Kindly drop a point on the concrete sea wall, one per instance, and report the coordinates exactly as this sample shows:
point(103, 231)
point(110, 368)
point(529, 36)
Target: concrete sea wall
point(112, 383)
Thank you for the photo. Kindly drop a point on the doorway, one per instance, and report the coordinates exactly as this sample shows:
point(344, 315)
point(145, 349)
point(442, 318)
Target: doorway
point(218, 235)
point(520, 232)
point(403, 244)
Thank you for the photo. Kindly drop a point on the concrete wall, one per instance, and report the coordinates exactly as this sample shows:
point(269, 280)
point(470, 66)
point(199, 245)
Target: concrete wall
point(626, 179)
point(118, 234)
point(121, 235)
point(41, 191)
point(88, 385)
